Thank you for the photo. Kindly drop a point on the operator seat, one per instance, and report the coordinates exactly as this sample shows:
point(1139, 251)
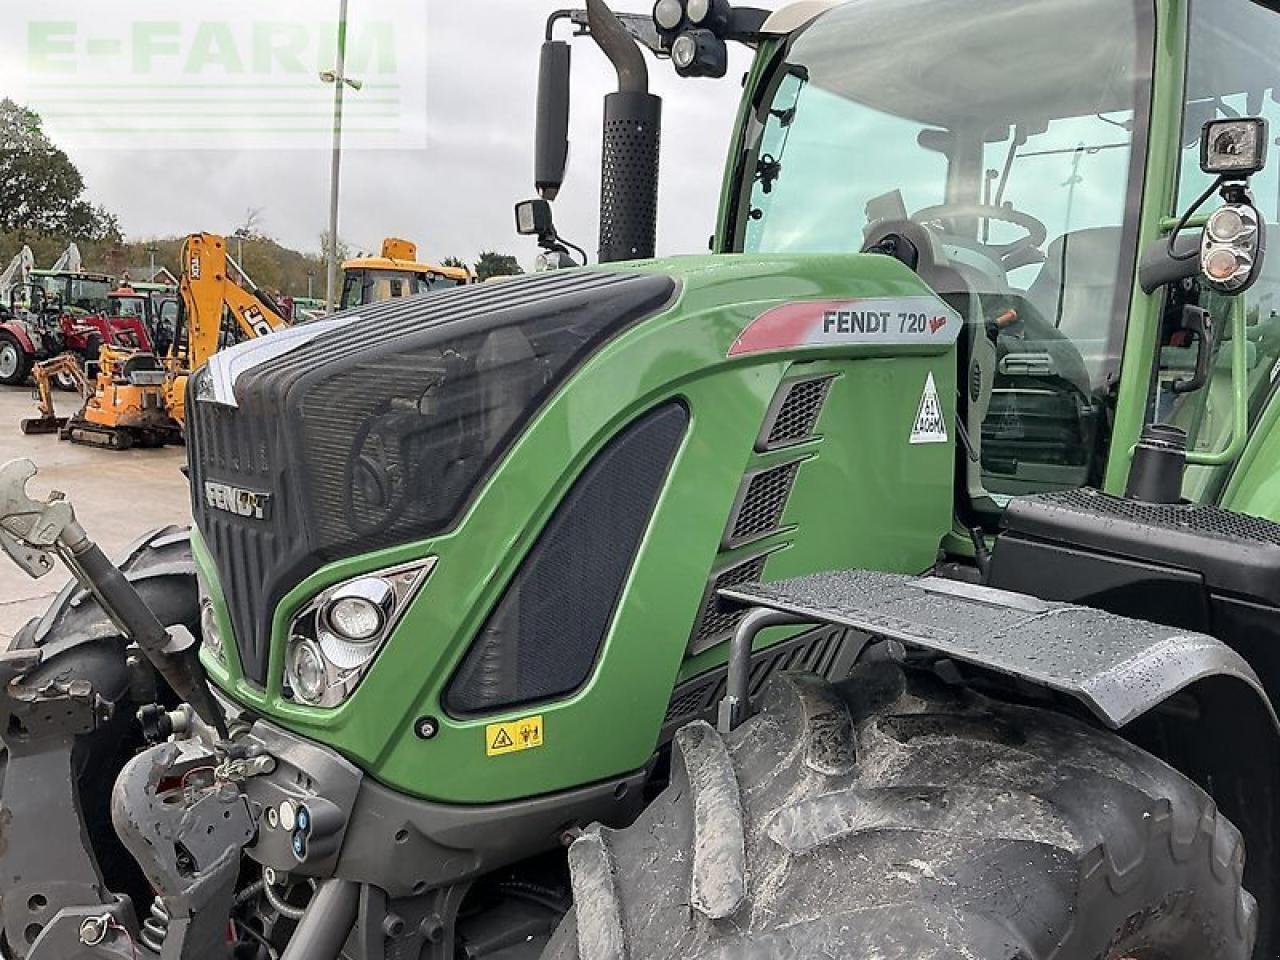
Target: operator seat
point(1075, 289)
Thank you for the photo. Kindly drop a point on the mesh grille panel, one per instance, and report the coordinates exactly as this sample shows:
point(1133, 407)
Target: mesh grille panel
point(797, 415)
point(766, 497)
point(1195, 518)
point(542, 638)
point(718, 619)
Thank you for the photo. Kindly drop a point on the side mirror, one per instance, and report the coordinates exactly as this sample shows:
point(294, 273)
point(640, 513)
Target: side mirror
point(551, 139)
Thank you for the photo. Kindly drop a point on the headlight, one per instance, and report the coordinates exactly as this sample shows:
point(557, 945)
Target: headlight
point(667, 14)
point(308, 677)
point(1233, 246)
point(210, 635)
point(335, 638)
point(359, 610)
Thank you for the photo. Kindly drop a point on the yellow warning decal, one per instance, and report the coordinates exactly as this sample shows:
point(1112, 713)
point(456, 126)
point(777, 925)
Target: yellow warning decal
point(516, 735)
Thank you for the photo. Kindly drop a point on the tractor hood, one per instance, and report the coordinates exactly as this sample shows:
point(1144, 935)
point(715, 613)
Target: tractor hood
point(378, 427)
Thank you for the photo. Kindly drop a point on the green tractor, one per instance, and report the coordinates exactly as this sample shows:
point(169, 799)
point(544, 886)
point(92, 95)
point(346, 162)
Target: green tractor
point(901, 580)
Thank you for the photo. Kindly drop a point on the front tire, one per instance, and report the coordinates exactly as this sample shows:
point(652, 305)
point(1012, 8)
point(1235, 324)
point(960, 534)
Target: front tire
point(15, 362)
point(894, 818)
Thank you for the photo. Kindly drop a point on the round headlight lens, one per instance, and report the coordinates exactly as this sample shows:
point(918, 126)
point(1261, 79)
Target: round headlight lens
point(355, 618)
point(307, 674)
point(698, 10)
point(684, 51)
point(667, 14)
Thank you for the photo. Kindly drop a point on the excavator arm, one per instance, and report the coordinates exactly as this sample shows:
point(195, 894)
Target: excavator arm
point(43, 373)
point(207, 288)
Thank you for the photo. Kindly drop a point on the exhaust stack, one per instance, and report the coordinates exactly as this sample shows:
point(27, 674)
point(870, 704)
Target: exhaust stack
point(632, 135)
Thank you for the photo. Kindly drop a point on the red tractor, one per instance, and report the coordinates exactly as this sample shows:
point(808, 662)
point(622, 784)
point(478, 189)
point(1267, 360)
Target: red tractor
point(63, 312)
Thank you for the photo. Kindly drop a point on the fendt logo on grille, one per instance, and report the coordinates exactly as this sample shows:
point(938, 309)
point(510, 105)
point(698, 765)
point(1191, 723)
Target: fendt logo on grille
point(237, 501)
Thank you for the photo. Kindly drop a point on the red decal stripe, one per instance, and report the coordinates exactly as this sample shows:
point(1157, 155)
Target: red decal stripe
point(783, 326)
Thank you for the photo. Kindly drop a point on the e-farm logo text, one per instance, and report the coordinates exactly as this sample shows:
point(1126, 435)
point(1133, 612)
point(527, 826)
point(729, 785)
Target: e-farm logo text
point(143, 78)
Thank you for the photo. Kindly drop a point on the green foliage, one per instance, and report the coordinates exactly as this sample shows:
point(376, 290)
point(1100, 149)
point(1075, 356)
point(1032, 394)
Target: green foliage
point(454, 262)
point(41, 190)
point(494, 264)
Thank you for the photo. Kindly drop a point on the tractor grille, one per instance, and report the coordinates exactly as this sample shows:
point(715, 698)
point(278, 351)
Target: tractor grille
point(762, 501)
point(795, 413)
point(241, 449)
point(544, 635)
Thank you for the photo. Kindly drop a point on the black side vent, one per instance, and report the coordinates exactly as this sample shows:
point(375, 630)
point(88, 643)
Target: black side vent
point(826, 651)
point(761, 502)
point(716, 618)
point(793, 416)
point(542, 638)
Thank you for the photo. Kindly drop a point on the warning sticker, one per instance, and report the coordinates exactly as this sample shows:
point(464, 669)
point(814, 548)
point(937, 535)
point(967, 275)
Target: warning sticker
point(511, 737)
point(931, 424)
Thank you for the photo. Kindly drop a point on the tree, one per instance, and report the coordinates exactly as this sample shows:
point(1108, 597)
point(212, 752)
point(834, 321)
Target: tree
point(344, 248)
point(252, 215)
point(41, 190)
point(454, 262)
point(494, 264)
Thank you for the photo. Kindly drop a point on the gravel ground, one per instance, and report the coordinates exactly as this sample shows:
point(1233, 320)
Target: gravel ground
point(118, 496)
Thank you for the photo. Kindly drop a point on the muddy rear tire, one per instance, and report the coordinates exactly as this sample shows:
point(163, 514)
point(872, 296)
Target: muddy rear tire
point(894, 818)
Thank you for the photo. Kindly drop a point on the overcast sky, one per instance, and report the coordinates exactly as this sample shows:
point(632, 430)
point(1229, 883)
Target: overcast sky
point(449, 186)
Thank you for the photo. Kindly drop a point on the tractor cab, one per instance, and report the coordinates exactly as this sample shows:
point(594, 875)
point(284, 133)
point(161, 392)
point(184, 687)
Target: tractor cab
point(395, 273)
point(85, 293)
point(1021, 186)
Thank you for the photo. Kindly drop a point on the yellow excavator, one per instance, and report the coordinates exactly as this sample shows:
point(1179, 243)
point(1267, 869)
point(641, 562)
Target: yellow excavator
point(138, 397)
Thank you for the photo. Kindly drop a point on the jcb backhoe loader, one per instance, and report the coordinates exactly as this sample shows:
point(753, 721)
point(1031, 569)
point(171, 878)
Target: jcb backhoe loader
point(139, 397)
point(396, 272)
point(899, 581)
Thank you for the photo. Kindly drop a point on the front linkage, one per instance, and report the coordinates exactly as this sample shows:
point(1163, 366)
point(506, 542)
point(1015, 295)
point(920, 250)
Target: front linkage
point(184, 809)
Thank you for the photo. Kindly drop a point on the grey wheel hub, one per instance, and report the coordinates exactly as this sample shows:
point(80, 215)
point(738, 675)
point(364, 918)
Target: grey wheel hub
point(9, 360)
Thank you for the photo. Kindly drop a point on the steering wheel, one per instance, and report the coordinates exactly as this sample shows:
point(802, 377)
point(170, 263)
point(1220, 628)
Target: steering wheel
point(1036, 232)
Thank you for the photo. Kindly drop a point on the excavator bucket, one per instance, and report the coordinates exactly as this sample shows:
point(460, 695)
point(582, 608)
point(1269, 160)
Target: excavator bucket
point(34, 426)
